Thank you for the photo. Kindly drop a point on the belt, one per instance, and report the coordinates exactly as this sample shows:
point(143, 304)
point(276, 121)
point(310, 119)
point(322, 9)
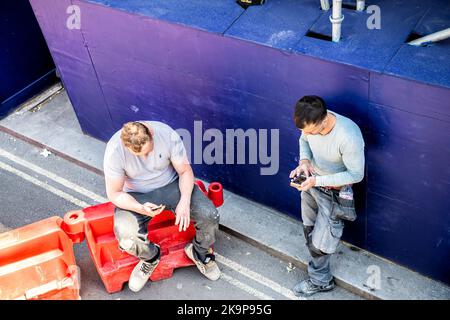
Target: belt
point(330, 188)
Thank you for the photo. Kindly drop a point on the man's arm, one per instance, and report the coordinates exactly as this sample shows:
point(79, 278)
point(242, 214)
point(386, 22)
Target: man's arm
point(123, 200)
point(186, 184)
point(180, 163)
point(304, 165)
point(305, 150)
point(353, 158)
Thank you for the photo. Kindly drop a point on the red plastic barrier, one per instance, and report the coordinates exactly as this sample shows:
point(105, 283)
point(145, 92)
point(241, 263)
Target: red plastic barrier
point(202, 187)
point(114, 266)
point(215, 193)
point(37, 262)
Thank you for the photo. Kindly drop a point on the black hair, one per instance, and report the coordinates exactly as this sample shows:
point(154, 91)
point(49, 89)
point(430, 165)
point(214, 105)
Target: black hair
point(309, 110)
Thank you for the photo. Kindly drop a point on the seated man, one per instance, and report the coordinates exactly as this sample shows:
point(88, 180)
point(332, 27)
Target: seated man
point(146, 165)
point(331, 159)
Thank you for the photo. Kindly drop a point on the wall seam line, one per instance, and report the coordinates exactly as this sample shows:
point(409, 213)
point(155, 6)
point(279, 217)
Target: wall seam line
point(96, 73)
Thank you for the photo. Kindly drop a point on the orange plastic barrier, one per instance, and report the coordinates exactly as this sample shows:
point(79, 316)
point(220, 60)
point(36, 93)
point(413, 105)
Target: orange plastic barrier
point(37, 262)
point(95, 224)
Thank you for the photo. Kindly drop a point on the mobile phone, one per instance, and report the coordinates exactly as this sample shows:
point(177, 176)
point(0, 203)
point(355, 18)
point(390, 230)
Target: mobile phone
point(297, 181)
point(157, 208)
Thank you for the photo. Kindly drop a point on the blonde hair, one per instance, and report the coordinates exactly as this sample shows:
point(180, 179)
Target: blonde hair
point(135, 135)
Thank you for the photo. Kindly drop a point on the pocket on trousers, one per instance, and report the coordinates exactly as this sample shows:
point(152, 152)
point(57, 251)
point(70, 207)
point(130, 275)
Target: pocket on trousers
point(336, 228)
point(343, 209)
point(327, 234)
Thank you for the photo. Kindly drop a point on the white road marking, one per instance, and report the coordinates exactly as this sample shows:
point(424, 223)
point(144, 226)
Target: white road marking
point(245, 287)
point(45, 186)
point(54, 177)
point(221, 259)
point(257, 277)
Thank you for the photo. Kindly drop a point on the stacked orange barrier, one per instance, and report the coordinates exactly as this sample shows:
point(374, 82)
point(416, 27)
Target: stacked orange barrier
point(37, 262)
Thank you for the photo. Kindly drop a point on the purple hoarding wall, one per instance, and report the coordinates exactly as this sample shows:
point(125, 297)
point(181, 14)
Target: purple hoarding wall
point(121, 67)
point(71, 56)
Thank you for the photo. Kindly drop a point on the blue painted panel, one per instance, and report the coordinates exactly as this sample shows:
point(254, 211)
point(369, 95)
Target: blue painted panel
point(437, 17)
point(278, 23)
point(410, 235)
point(408, 183)
point(410, 96)
point(413, 149)
point(214, 16)
point(25, 62)
point(360, 46)
point(429, 64)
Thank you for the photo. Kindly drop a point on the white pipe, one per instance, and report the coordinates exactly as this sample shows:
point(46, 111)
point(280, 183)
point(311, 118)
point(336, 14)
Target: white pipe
point(336, 20)
point(325, 4)
point(360, 5)
point(434, 37)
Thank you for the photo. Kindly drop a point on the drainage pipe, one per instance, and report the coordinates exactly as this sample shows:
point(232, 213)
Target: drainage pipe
point(434, 37)
point(360, 5)
point(336, 20)
point(325, 4)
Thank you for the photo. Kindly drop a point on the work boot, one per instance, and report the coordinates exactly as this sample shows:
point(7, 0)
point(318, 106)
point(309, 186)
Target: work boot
point(141, 273)
point(208, 269)
point(307, 288)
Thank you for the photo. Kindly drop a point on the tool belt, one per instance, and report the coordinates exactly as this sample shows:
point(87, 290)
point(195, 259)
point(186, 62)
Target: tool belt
point(340, 208)
point(330, 188)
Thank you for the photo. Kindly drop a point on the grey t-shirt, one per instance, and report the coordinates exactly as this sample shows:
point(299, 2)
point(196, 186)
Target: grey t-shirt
point(145, 174)
point(338, 157)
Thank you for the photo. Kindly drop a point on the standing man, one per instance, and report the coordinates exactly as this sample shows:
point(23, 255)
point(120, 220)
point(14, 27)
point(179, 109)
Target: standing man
point(331, 158)
point(145, 164)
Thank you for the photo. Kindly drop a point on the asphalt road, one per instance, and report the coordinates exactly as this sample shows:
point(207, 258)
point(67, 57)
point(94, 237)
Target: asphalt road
point(35, 186)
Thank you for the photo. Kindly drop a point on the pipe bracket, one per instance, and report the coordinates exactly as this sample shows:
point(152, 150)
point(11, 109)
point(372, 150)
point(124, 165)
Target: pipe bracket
point(336, 20)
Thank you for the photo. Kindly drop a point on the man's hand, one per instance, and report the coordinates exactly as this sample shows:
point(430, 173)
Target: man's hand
point(151, 209)
point(305, 167)
point(308, 184)
point(183, 213)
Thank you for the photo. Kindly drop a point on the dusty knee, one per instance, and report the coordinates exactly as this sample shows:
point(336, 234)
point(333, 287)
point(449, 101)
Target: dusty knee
point(208, 217)
point(126, 245)
point(126, 235)
point(213, 216)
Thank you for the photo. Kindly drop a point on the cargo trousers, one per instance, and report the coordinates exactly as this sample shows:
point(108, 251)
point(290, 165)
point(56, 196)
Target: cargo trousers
point(322, 233)
point(131, 228)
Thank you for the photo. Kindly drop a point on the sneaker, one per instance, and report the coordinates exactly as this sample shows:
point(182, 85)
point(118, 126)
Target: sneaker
point(140, 275)
point(209, 269)
point(307, 288)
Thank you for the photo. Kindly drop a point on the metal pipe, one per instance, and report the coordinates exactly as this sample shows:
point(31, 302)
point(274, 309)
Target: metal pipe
point(325, 4)
point(336, 18)
point(360, 5)
point(434, 37)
